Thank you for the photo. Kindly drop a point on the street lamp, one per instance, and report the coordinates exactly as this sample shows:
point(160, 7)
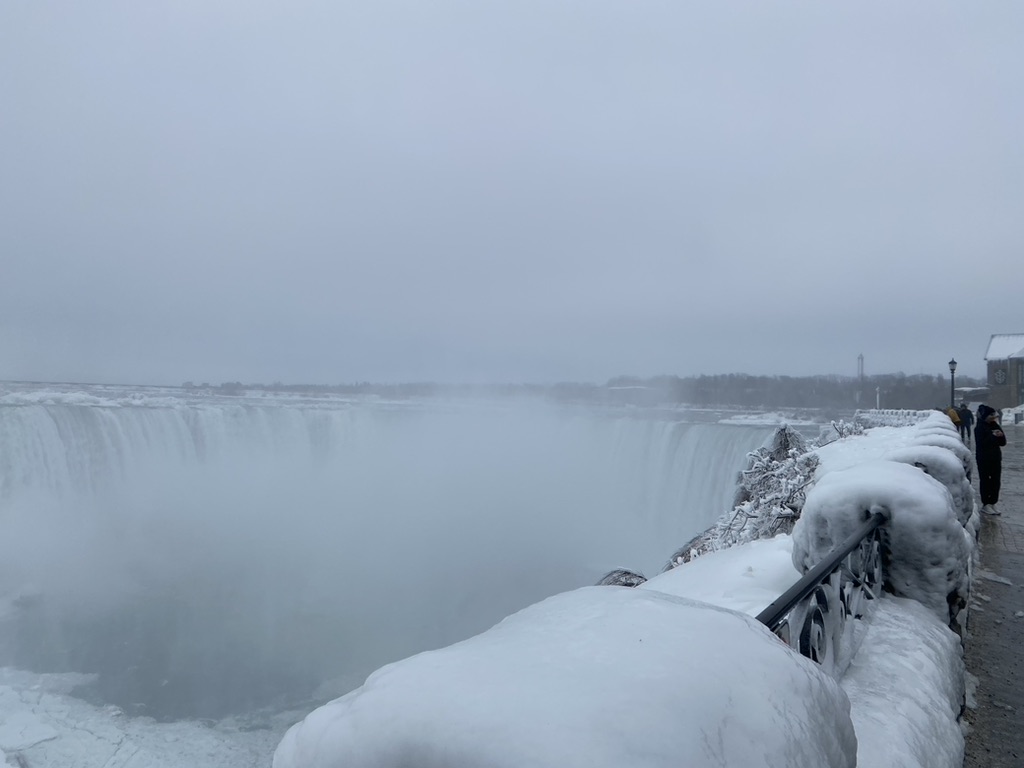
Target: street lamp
point(952, 378)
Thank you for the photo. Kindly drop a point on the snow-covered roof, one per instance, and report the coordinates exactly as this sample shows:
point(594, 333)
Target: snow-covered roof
point(1005, 345)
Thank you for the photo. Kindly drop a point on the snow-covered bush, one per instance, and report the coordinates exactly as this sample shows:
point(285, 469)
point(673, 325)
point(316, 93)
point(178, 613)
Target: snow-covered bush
point(769, 496)
point(837, 430)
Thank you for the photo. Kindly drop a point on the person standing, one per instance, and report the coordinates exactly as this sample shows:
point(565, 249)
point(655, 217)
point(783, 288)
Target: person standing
point(966, 422)
point(988, 447)
point(954, 416)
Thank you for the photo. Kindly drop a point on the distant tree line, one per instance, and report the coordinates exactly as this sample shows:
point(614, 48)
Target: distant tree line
point(895, 390)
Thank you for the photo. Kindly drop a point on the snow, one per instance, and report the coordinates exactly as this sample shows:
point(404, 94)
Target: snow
point(930, 551)
point(906, 688)
point(905, 684)
point(53, 397)
point(773, 417)
point(1005, 345)
point(745, 578)
point(675, 671)
point(1012, 416)
point(22, 730)
point(930, 524)
point(944, 467)
point(51, 729)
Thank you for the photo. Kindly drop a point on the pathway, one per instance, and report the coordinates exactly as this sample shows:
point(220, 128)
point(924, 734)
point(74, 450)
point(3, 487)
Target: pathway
point(993, 651)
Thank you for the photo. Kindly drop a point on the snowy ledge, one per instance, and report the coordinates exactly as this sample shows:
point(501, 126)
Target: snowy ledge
point(678, 670)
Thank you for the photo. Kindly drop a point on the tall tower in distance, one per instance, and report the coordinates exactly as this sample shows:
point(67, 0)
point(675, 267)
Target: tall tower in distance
point(860, 377)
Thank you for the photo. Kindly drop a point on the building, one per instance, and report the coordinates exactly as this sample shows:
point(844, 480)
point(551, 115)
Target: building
point(1005, 363)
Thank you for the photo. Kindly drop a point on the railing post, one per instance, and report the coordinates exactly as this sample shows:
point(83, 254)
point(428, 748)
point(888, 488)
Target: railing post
point(811, 616)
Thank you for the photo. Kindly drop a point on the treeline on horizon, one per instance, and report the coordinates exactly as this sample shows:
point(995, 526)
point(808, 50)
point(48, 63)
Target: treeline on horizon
point(895, 390)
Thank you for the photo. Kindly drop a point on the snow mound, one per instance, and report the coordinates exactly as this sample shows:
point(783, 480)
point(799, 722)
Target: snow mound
point(929, 552)
point(945, 467)
point(746, 577)
point(915, 724)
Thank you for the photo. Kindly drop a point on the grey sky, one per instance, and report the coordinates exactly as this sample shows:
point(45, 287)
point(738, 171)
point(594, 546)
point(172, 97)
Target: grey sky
point(506, 191)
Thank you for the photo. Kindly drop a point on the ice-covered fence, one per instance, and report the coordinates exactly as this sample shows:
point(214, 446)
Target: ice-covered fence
point(812, 615)
point(917, 476)
point(847, 548)
point(917, 542)
point(889, 417)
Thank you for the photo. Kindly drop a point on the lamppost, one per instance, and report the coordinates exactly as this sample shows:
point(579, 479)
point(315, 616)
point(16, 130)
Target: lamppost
point(952, 378)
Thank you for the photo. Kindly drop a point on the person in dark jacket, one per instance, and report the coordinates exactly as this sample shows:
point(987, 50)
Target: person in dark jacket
point(988, 448)
point(966, 422)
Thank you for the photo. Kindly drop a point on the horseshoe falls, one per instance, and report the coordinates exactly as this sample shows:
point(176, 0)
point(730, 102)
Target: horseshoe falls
point(198, 556)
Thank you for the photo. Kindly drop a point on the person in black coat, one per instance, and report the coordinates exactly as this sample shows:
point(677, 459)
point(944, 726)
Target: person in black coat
point(988, 447)
point(966, 421)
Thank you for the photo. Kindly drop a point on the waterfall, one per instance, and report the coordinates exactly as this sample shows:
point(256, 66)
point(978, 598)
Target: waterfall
point(206, 555)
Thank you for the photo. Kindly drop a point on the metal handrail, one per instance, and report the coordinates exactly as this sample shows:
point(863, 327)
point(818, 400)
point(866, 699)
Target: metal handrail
point(775, 614)
point(812, 616)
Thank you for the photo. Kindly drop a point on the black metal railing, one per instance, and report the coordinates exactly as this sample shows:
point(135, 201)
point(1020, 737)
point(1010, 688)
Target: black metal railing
point(818, 605)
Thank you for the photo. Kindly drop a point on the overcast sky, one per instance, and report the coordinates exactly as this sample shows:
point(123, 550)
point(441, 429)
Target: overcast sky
point(527, 190)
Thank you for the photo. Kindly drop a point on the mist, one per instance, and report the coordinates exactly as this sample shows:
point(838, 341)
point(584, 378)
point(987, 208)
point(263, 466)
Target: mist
point(220, 558)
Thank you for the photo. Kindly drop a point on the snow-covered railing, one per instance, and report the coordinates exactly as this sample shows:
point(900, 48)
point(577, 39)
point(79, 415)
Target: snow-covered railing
point(811, 616)
point(889, 417)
